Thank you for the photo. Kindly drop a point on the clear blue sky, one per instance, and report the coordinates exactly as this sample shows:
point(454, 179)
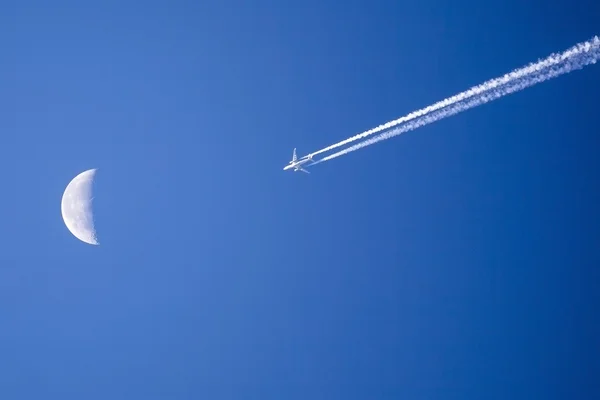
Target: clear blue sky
point(458, 261)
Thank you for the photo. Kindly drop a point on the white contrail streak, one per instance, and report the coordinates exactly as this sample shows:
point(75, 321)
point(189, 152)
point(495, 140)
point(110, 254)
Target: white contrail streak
point(589, 55)
point(552, 66)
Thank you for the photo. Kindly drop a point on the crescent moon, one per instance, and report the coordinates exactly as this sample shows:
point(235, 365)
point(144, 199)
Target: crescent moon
point(76, 207)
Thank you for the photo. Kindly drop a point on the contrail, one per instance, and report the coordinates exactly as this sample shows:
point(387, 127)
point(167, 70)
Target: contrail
point(576, 57)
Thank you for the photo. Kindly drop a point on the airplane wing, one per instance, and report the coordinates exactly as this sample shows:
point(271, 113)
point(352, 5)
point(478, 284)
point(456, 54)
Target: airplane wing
point(303, 170)
point(294, 157)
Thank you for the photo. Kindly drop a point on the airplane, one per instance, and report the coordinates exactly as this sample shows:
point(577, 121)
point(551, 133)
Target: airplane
point(297, 164)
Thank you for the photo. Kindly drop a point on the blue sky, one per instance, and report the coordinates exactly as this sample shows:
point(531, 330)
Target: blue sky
point(458, 261)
